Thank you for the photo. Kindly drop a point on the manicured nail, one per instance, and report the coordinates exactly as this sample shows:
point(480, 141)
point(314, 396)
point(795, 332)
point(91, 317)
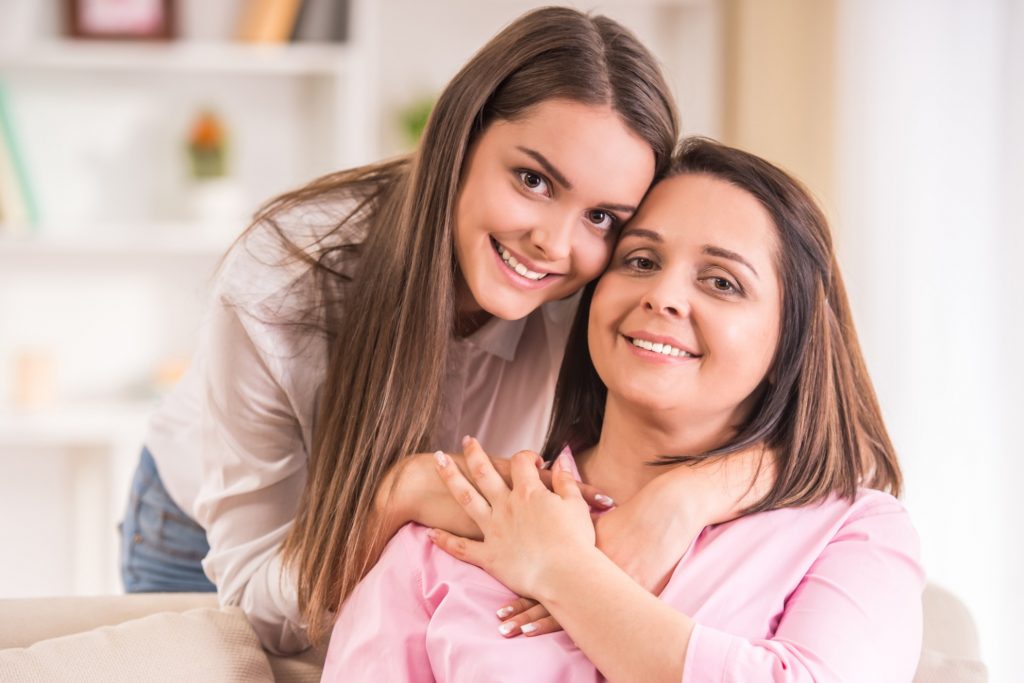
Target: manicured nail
point(505, 611)
point(441, 458)
point(506, 628)
point(604, 500)
point(466, 440)
point(528, 628)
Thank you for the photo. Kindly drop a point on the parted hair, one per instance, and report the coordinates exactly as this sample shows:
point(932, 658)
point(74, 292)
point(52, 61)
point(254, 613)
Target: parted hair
point(817, 412)
point(385, 301)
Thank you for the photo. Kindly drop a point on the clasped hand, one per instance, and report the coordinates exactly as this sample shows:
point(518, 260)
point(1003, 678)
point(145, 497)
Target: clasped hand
point(528, 530)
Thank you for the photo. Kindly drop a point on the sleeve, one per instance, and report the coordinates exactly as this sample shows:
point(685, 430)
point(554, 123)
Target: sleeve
point(855, 616)
point(253, 471)
point(381, 630)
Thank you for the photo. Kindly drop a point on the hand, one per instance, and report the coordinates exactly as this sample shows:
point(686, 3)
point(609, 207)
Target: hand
point(648, 534)
point(413, 492)
point(528, 530)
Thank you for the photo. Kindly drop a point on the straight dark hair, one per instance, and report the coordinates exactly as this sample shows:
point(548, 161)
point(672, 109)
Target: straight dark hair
point(395, 280)
point(818, 415)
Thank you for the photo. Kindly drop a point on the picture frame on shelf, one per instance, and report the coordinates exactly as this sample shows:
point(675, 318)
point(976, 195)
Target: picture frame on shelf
point(121, 19)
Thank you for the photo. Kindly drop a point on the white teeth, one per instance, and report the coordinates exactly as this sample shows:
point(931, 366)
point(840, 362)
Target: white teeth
point(664, 349)
point(517, 266)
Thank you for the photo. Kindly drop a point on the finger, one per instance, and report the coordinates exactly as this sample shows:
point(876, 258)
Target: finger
point(515, 607)
point(482, 471)
point(458, 547)
point(534, 622)
point(562, 480)
point(593, 497)
point(465, 495)
point(524, 470)
point(540, 627)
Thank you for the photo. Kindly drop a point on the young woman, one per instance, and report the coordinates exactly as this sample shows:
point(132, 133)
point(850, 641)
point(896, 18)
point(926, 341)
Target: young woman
point(721, 323)
point(389, 309)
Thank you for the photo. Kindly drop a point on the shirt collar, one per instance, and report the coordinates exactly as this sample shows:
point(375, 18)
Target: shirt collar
point(499, 337)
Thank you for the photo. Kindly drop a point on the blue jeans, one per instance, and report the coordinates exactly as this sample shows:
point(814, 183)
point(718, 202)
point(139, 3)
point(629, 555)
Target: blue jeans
point(161, 547)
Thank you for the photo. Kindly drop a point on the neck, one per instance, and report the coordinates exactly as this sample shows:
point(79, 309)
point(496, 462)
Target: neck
point(619, 464)
point(469, 316)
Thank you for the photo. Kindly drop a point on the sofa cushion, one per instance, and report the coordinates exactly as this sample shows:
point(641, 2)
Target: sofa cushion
point(197, 645)
point(937, 667)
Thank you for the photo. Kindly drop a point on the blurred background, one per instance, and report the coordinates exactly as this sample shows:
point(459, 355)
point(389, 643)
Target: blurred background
point(137, 136)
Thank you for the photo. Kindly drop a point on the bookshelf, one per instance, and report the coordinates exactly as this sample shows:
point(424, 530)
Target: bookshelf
point(109, 286)
point(226, 58)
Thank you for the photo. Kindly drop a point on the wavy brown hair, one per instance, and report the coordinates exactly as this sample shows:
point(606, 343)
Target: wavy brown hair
point(818, 415)
point(387, 336)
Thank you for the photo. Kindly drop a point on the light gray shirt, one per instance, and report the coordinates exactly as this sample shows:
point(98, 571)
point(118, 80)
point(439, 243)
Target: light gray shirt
point(232, 440)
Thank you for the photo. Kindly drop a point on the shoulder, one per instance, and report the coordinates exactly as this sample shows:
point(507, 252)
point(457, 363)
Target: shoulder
point(277, 250)
point(873, 517)
point(437, 573)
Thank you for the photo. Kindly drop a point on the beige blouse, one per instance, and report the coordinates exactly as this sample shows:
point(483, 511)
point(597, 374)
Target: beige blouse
point(231, 441)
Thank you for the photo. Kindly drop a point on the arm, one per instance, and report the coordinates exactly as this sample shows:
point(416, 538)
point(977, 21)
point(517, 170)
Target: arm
point(380, 634)
point(253, 473)
point(855, 616)
point(413, 492)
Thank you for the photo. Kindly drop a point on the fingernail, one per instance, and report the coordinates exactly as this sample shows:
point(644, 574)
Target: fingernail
point(441, 458)
point(506, 628)
point(604, 500)
point(466, 440)
point(564, 462)
point(528, 628)
point(505, 611)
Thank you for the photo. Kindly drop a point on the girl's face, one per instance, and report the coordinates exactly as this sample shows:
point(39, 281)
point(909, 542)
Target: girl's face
point(687, 317)
point(540, 202)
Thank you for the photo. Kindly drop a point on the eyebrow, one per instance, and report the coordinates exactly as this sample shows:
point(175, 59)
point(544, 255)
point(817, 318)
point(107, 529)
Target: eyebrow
point(642, 232)
point(548, 166)
point(708, 249)
point(711, 250)
point(564, 182)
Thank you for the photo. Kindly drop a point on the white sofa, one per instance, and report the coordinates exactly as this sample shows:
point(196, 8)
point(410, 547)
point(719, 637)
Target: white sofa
point(187, 637)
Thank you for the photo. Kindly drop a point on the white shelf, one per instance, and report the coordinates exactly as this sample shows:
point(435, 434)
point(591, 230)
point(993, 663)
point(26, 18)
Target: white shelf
point(183, 57)
point(94, 424)
point(154, 240)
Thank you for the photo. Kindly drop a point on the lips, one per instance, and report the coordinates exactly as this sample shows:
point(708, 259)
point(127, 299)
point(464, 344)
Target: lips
point(519, 269)
point(667, 346)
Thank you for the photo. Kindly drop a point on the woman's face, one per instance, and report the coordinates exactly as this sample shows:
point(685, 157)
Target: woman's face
point(540, 202)
point(696, 271)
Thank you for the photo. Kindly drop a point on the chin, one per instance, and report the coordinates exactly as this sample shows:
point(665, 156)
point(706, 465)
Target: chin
point(507, 308)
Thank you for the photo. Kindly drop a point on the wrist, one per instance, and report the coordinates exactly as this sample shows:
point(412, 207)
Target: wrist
point(393, 503)
point(561, 570)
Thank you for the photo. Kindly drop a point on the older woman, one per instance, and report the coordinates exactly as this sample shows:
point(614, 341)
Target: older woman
point(717, 349)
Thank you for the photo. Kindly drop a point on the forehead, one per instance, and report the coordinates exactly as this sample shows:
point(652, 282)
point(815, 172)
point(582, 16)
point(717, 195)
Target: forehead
point(699, 209)
point(590, 144)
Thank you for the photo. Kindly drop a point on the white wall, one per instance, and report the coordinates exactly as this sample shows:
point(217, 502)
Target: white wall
point(929, 179)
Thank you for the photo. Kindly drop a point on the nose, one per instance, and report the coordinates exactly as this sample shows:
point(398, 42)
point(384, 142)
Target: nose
point(553, 239)
point(667, 298)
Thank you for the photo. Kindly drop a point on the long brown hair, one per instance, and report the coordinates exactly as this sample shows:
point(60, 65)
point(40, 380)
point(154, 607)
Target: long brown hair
point(385, 304)
point(818, 413)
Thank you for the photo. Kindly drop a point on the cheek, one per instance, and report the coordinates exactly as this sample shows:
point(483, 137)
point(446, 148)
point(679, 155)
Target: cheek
point(751, 346)
point(592, 254)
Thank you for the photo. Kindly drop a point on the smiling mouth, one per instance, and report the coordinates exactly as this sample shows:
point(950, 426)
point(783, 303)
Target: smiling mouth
point(514, 265)
point(658, 347)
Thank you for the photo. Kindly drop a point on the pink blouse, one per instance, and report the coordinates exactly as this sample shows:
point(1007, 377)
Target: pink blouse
point(824, 593)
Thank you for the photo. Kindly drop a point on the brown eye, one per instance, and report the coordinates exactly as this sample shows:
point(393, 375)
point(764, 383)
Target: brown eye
point(602, 219)
point(721, 284)
point(641, 263)
point(532, 182)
